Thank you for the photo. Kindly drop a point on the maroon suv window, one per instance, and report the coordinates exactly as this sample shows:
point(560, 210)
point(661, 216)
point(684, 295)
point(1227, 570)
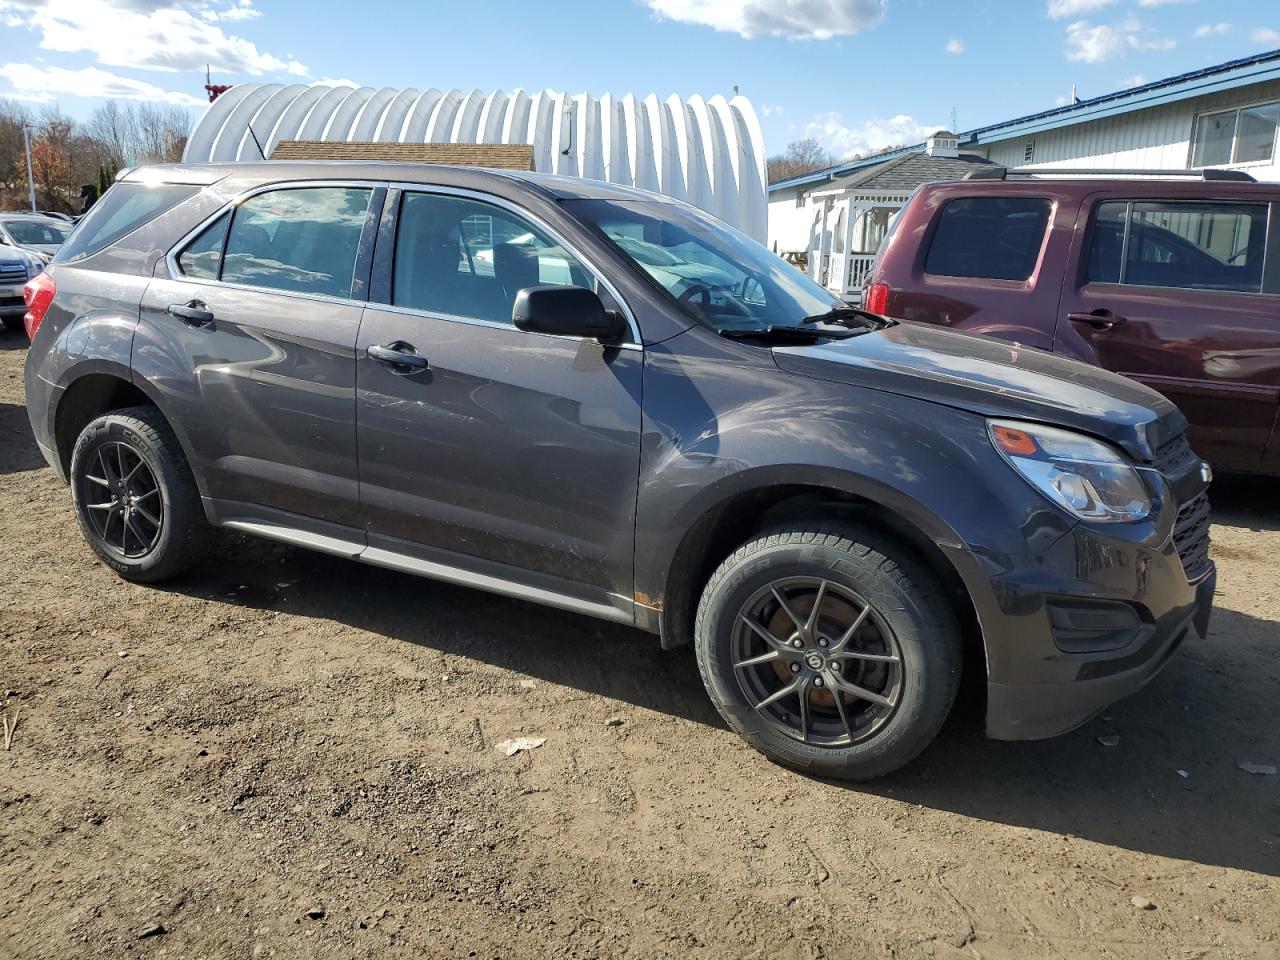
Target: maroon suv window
point(1189, 245)
point(992, 238)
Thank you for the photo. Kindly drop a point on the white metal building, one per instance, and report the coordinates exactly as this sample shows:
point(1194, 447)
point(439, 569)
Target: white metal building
point(708, 152)
point(1225, 116)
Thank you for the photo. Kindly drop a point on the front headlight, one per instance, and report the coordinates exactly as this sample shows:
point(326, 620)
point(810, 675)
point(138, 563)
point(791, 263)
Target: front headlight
point(1086, 477)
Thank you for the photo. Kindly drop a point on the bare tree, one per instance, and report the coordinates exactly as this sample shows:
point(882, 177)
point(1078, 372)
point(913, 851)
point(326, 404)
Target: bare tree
point(133, 134)
point(800, 157)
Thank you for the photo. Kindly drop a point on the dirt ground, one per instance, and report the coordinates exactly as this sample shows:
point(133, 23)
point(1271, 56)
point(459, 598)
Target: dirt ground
point(290, 755)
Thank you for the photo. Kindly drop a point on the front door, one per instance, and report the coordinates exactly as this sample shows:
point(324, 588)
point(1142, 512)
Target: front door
point(251, 340)
point(510, 454)
point(1173, 294)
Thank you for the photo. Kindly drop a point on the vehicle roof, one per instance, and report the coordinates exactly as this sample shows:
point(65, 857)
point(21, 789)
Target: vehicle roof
point(1086, 184)
point(38, 217)
point(268, 171)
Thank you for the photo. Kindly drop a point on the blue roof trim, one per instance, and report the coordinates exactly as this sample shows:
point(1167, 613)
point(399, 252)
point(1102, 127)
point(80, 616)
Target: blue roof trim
point(1224, 76)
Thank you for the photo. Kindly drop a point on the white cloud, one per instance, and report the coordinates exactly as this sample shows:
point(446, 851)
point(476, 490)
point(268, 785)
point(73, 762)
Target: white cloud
point(1265, 35)
point(147, 35)
point(42, 84)
point(1161, 3)
point(1097, 43)
point(955, 46)
point(1211, 30)
point(829, 130)
point(239, 10)
point(1058, 9)
point(793, 19)
point(771, 110)
point(1136, 80)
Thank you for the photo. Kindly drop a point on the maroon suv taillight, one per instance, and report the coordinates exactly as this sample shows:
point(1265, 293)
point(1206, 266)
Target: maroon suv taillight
point(37, 294)
point(877, 298)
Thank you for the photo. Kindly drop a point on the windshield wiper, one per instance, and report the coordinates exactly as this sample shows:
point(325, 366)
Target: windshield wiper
point(854, 317)
point(775, 334)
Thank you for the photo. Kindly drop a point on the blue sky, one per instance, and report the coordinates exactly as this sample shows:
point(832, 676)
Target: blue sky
point(857, 74)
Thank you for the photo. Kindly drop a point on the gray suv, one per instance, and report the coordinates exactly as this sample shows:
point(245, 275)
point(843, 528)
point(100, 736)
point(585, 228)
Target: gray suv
point(607, 401)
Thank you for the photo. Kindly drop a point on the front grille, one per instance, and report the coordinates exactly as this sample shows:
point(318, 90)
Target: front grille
point(1191, 536)
point(1174, 456)
point(13, 271)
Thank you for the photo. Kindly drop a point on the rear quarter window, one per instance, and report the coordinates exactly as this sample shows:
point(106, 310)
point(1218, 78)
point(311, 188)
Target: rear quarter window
point(122, 209)
point(989, 238)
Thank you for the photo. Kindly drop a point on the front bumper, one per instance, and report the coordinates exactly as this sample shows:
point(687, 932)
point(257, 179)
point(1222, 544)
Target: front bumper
point(1091, 618)
point(1031, 710)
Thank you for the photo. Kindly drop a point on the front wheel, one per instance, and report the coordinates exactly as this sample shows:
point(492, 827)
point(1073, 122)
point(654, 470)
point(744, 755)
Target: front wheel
point(831, 651)
point(134, 496)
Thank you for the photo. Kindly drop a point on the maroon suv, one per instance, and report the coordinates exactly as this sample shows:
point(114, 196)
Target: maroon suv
point(1175, 283)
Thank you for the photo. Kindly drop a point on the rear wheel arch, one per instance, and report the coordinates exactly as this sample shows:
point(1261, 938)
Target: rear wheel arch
point(734, 520)
point(99, 392)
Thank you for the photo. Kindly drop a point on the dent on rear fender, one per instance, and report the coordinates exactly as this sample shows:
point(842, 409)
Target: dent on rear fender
point(100, 341)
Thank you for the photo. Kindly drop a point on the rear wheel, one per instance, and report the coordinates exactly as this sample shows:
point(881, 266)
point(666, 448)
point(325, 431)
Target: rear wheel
point(832, 651)
point(134, 496)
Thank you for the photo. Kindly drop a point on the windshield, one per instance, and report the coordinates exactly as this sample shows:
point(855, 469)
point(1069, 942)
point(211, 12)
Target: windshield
point(35, 232)
point(719, 275)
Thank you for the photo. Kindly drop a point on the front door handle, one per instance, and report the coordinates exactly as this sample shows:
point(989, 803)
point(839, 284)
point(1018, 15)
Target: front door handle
point(1099, 319)
point(194, 313)
point(399, 356)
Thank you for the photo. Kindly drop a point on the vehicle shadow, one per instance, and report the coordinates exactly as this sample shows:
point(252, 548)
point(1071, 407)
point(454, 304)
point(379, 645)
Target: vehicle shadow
point(1213, 707)
point(12, 339)
point(1246, 501)
point(18, 450)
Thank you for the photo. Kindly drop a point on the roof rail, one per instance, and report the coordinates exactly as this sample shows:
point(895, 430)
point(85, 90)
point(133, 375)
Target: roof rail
point(1208, 173)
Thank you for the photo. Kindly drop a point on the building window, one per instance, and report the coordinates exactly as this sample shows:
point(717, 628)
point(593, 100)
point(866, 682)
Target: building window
point(1029, 151)
point(1245, 135)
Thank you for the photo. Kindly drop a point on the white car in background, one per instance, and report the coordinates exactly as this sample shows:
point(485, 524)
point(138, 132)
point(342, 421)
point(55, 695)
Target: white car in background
point(17, 266)
point(35, 232)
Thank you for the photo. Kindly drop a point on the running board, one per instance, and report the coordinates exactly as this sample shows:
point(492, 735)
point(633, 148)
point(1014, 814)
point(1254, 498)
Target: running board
point(431, 569)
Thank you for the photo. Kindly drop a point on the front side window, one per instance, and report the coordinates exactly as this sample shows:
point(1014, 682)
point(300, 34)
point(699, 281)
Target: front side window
point(714, 273)
point(1246, 135)
point(303, 240)
point(1199, 246)
point(991, 238)
point(465, 258)
point(33, 232)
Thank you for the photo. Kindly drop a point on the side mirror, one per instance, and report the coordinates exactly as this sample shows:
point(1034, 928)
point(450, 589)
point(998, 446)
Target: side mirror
point(566, 312)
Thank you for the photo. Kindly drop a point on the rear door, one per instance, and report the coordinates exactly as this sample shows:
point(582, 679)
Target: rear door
point(511, 455)
point(981, 260)
point(1176, 294)
point(251, 335)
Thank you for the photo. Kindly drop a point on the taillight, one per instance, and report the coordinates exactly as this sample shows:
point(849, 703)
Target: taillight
point(877, 298)
point(37, 294)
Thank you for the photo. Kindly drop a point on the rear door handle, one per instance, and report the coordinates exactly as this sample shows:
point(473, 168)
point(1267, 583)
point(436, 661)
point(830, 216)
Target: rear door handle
point(399, 356)
point(1099, 319)
point(194, 313)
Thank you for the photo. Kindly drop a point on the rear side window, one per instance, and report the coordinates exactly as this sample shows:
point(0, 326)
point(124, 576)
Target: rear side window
point(203, 256)
point(1198, 246)
point(303, 240)
point(122, 209)
point(992, 238)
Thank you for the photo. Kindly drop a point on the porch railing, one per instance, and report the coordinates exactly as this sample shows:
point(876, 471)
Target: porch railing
point(858, 267)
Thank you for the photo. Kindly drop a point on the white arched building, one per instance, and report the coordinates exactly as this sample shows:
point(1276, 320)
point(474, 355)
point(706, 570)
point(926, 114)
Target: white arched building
point(708, 152)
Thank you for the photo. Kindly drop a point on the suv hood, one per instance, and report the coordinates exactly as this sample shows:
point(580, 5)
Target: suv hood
point(994, 379)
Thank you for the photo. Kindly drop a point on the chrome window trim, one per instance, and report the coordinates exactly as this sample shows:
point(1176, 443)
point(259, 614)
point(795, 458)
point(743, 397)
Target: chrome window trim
point(525, 214)
point(171, 258)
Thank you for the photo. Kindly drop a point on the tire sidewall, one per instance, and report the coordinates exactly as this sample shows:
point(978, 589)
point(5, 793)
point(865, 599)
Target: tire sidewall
point(108, 429)
point(926, 677)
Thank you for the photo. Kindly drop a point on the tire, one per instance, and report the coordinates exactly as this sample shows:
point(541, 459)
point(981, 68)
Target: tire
point(907, 617)
point(14, 324)
point(113, 445)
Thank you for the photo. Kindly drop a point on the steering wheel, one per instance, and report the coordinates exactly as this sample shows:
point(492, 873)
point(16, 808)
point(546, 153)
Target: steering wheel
point(699, 291)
